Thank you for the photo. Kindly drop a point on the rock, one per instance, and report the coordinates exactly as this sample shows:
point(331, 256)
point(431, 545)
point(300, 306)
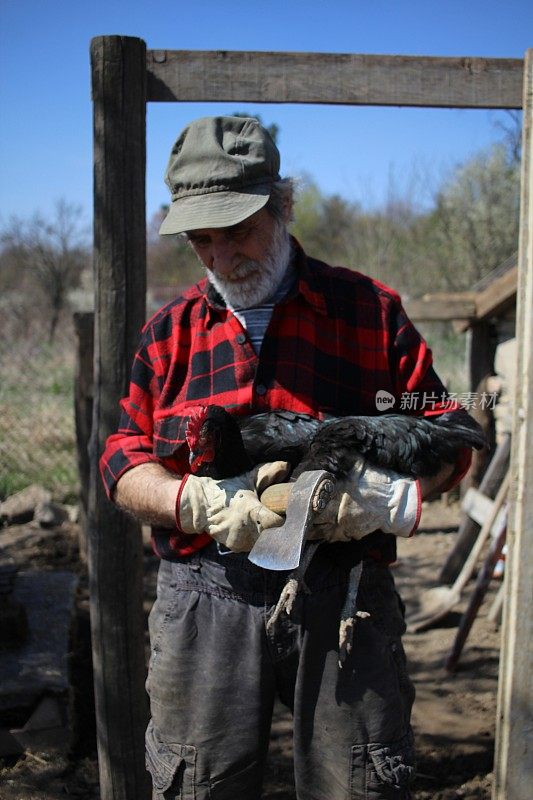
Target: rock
point(40, 665)
point(49, 514)
point(73, 512)
point(20, 507)
point(13, 619)
point(48, 727)
point(8, 574)
point(13, 623)
point(9, 745)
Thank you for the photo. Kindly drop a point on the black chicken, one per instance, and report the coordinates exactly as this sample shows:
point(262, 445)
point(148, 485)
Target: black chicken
point(222, 446)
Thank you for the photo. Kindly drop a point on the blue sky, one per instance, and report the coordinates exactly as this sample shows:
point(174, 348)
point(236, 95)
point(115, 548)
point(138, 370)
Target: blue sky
point(45, 106)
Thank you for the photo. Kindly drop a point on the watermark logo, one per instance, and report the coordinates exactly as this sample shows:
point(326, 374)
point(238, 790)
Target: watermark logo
point(442, 401)
point(384, 400)
point(422, 401)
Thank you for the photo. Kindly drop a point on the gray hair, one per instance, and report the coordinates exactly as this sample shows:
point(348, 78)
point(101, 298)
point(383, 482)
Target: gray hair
point(281, 196)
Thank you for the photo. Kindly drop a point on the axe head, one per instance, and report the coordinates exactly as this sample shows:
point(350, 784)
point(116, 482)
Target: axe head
point(281, 548)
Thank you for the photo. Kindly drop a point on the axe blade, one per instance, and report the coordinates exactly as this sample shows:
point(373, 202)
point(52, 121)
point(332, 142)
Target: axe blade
point(281, 548)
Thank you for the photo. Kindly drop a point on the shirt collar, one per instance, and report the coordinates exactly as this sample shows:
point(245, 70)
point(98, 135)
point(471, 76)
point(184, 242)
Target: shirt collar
point(308, 283)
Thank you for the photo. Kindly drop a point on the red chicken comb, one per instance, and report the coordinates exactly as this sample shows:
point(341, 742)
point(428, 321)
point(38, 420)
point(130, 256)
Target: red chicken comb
point(194, 425)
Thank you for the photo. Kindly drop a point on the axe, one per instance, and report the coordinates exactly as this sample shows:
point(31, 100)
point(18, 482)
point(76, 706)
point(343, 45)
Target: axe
point(281, 548)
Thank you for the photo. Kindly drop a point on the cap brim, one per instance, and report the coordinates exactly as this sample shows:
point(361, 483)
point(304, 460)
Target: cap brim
point(213, 210)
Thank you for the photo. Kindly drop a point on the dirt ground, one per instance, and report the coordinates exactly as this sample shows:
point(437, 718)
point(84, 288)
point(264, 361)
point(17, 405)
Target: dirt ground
point(454, 715)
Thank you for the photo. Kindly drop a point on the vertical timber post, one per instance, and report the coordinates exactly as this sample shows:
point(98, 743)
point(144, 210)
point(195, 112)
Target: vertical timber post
point(481, 349)
point(513, 768)
point(115, 547)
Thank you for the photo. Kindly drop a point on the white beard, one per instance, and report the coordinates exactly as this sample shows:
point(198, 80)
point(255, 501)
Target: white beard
point(265, 275)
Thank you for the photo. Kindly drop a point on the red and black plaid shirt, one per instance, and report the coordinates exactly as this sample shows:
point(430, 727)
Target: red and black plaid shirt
point(337, 339)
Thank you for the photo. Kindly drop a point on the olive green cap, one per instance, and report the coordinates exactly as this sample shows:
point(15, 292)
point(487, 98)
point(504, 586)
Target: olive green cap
point(221, 170)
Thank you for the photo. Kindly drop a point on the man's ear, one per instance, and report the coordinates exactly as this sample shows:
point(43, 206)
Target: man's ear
point(288, 205)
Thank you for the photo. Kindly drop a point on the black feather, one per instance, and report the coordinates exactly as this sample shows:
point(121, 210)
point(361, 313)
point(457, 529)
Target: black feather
point(416, 446)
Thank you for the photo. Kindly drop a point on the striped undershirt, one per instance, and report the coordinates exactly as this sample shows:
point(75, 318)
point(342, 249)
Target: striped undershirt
point(255, 319)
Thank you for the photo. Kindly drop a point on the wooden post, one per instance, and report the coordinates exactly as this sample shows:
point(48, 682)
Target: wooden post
point(115, 548)
point(480, 350)
point(513, 768)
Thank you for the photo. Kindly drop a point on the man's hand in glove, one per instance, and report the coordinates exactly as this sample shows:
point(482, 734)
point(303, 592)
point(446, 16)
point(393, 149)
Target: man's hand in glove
point(366, 500)
point(230, 509)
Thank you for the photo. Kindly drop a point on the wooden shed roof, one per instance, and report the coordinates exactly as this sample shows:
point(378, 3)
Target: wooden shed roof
point(491, 297)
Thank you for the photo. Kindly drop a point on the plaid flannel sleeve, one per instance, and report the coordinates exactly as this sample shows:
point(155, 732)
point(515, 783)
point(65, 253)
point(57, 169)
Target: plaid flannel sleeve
point(132, 444)
point(418, 385)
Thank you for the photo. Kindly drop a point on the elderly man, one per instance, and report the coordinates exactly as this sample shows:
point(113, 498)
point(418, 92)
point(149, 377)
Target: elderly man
point(268, 328)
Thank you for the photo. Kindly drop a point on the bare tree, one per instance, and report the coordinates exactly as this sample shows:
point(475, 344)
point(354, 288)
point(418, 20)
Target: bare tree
point(49, 254)
point(474, 225)
point(511, 126)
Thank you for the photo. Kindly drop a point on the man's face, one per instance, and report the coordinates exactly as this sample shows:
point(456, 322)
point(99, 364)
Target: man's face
point(245, 262)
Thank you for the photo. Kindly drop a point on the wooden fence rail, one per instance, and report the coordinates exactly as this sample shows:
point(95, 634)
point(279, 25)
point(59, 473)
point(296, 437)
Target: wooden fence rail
point(333, 78)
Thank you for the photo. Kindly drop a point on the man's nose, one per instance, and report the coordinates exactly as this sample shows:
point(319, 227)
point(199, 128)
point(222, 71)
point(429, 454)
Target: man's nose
point(223, 257)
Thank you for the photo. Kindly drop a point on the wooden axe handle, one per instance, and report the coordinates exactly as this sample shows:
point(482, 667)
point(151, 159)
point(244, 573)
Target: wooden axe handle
point(276, 497)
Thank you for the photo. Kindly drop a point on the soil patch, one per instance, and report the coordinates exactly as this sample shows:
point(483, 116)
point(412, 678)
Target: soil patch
point(454, 715)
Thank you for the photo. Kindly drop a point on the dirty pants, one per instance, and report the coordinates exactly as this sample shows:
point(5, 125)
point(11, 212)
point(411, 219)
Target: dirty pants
point(215, 671)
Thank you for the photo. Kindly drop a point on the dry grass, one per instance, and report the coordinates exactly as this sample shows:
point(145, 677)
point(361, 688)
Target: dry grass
point(37, 435)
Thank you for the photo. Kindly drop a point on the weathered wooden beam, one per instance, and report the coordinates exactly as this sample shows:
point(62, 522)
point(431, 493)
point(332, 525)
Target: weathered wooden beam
point(464, 307)
point(477, 505)
point(468, 529)
point(485, 575)
point(500, 295)
point(115, 548)
point(481, 341)
point(333, 78)
point(442, 306)
point(513, 768)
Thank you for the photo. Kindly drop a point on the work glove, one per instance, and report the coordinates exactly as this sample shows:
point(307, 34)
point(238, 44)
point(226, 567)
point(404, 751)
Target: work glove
point(229, 510)
point(366, 500)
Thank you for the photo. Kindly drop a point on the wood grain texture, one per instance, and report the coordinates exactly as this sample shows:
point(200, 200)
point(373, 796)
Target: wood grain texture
point(333, 78)
point(500, 295)
point(513, 766)
point(481, 340)
point(276, 497)
point(115, 547)
point(442, 306)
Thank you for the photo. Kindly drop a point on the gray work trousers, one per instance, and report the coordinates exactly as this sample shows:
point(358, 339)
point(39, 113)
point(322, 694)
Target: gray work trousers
point(215, 672)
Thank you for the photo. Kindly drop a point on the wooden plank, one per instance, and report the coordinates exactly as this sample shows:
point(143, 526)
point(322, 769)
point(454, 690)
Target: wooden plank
point(500, 295)
point(513, 769)
point(333, 78)
point(442, 306)
point(481, 342)
point(477, 505)
point(468, 530)
point(484, 578)
point(463, 307)
point(492, 301)
point(115, 547)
